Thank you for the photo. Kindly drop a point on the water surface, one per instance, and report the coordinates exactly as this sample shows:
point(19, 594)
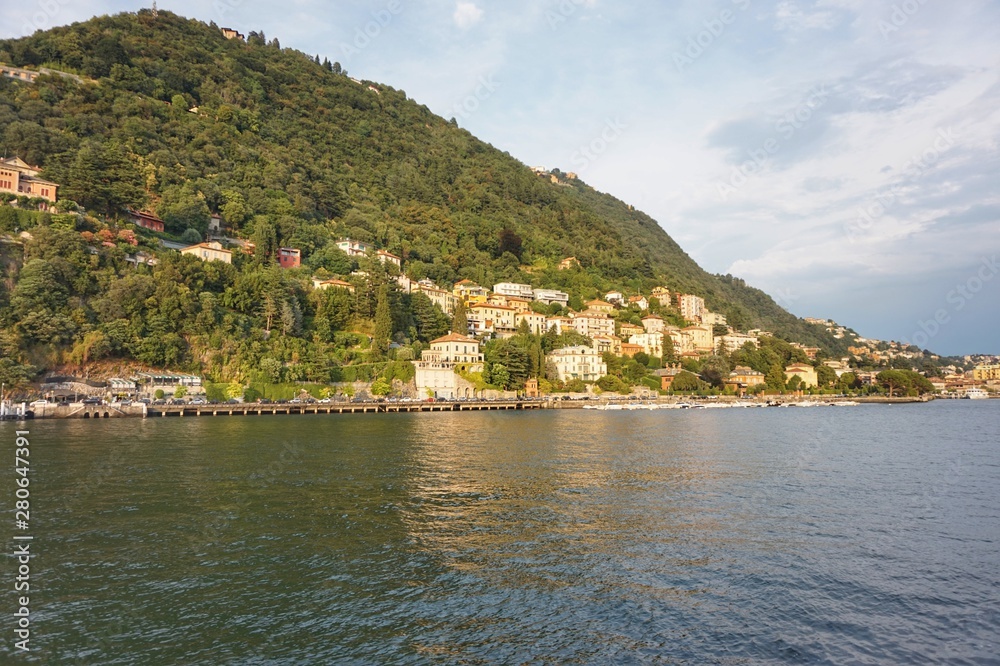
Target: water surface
point(863, 535)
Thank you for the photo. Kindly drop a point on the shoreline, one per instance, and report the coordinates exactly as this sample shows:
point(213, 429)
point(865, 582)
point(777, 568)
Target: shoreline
point(142, 410)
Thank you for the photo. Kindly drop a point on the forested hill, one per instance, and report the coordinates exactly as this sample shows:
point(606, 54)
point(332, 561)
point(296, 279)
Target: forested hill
point(172, 117)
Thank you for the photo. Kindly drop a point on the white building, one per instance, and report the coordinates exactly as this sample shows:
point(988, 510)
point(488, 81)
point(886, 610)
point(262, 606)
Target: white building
point(713, 318)
point(590, 323)
point(654, 324)
point(514, 289)
point(651, 343)
point(536, 322)
point(736, 341)
point(353, 248)
point(550, 296)
point(436, 368)
point(583, 363)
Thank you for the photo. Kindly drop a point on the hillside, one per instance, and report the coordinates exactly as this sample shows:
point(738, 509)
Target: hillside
point(174, 118)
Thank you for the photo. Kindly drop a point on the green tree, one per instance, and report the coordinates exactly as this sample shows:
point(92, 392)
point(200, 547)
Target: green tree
point(383, 324)
point(460, 319)
point(686, 382)
point(105, 179)
point(381, 387)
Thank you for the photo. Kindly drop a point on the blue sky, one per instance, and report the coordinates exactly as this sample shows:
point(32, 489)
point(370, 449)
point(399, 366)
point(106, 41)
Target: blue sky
point(842, 155)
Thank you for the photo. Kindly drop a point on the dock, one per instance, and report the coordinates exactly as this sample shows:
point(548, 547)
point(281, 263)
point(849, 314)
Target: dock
point(141, 410)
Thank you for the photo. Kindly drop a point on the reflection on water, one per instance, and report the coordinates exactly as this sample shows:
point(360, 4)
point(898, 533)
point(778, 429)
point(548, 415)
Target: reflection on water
point(729, 536)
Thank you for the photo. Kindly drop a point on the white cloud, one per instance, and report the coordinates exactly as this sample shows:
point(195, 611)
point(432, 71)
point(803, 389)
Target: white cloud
point(467, 14)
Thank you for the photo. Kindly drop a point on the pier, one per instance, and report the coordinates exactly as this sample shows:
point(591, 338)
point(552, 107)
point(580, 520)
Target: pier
point(111, 411)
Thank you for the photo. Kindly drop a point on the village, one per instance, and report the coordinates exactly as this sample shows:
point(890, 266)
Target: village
point(618, 325)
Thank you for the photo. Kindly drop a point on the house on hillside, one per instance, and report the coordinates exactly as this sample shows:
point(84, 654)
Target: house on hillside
point(639, 301)
point(19, 178)
point(145, 220)
point(289, 257)
point(210, 251)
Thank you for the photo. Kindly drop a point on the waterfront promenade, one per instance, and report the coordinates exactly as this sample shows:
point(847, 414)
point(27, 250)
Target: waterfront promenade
point(142, 410)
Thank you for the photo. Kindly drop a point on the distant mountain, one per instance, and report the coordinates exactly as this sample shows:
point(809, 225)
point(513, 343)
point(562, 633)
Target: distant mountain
point(173, 117)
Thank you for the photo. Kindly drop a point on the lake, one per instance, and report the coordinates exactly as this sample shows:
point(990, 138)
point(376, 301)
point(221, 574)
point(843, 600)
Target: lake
point(865, 535)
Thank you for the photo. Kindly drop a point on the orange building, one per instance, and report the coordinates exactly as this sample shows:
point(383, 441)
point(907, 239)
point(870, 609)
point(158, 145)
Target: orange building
point(18, 177)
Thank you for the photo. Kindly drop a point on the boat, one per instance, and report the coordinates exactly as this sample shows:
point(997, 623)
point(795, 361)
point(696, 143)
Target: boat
point(976, 394)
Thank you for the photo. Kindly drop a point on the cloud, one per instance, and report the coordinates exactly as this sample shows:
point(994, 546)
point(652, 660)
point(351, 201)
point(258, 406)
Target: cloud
point(467, 14)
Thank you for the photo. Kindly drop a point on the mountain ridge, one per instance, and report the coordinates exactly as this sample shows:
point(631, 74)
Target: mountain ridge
point(293, 152)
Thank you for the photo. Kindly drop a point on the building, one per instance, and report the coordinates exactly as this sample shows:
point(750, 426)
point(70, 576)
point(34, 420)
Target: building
point(986, 373)
point(743, 378)
point(550, 296)
point(323, 285)
point(445, 300)
point(145, 220)
point(536, 322)
point(627, 330)
point(651, 343)
point(701, 338)
point(810, 352)
point(629, 350)
point(215, 226)
point(514, 289)
point(639, 301)
point(210, 251)
point(389, 258)
point(435, 371)
point(519, 304)
point(583, 363)
point(604, 343)
point(690, 307)
point(653, 324)
point(615, 297)
point(591, 323)
point(667, 376)
point(560, 324)
point(229, 33)
point(18, 177)
point(289, 257)
point(600, 306)
point(470, 292)
point(736, 341)
point(805, 372)
point(713, 319)
point(485, 318)
point(353, 248)
point(661, 295)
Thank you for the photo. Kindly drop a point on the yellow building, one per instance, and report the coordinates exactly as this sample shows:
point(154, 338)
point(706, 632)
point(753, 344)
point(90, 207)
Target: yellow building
point(210, 251)
point(987, 373)
point(804, 372)
point(18, 177)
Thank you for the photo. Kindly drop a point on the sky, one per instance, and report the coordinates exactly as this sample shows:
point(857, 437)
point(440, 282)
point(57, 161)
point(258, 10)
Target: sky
point(841, 155)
